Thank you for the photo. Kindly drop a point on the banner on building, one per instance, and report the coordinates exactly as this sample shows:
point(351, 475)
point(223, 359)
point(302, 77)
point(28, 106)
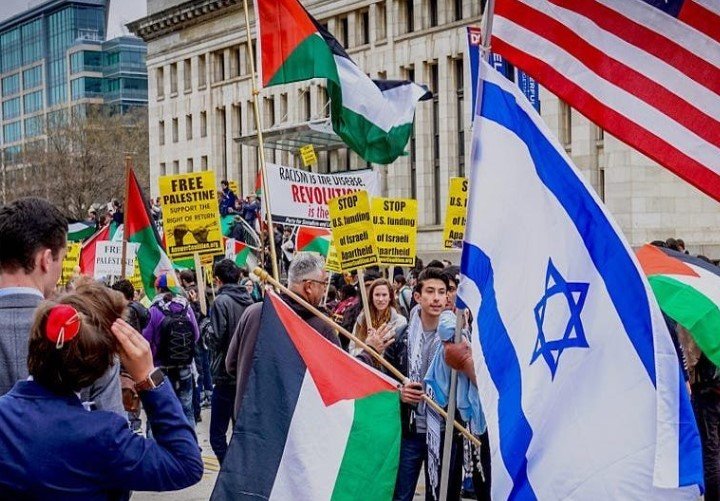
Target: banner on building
point(108, 259)
point(71, 261)
point(527, 84)
point(353, 232)
point(395, 223)
point(300, 198)
point(190, 214)
point(456, 214)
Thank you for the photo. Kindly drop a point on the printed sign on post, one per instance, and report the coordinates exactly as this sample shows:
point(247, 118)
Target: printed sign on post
point(456, 215)
point(395, 221)
point(71, 261)
point(300, 198)
point(233, 185)
point(331, 262)
point(353, 232)
point(108, 259)
point(191, 215)
point(307, 153)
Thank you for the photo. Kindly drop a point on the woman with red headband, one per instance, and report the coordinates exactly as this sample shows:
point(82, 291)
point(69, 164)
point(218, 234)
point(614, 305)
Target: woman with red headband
point(51, 447)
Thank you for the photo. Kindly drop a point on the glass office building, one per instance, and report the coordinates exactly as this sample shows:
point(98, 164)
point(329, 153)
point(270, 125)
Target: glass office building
point(54, 60)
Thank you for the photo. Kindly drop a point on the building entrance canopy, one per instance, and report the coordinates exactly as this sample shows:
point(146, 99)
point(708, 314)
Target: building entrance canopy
point(291, 138)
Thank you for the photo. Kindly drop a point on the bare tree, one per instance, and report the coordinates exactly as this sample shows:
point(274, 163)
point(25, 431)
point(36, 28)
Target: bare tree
point(80, 160)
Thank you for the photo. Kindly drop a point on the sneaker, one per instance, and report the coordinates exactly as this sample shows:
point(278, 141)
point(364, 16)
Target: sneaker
point(205, 404)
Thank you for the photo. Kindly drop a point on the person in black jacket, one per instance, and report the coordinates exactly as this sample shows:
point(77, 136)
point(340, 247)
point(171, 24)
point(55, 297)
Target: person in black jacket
point(231, 301)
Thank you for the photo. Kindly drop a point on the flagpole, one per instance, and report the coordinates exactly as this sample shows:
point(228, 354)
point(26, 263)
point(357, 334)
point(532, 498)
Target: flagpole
point(128, 167)
point(265, 277)
point(261, 145)
point(460, 313)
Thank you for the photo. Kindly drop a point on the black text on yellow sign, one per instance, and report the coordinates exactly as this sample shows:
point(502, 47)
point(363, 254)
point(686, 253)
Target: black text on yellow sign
point(456, 216)
point(71, 262)
point(190, 214)
point(395, 222)
point(307, 153)
point(352, 230)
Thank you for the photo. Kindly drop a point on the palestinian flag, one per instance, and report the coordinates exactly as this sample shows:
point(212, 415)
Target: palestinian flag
point(374, 118)
point(314, 422)
point(87, 253)
point(258, 184)
point(313, 240)
point(140, 229)
point(239, 252)
point(688, 291)
point(77, 232)
point(226, 224)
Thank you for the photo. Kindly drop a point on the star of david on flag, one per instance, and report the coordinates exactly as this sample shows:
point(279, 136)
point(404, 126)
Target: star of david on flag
point(610, 418)
point(573, 295)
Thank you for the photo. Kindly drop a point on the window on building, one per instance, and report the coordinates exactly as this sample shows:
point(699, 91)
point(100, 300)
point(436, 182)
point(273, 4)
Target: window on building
point(160, 81)
point(32, 78)
point(434, 74)
point(269, 111)
point(187, 75)
point(175, 130)
point(32, 41)
point(204, 162)
point(343, 30)
point(283, 107)
point(381, 20)
point(565, 131)
point(33, 102)
point(432, 12)
point(188, 127)
point(460, 101)
point(11, 85)
point(173, 78)
point(218, 66)
point(599, 135)
point(189, 165)
point(11, 50)
point(307, 103)
point(86, 87)
point(201, 72)
point(363, 31)
point(252, 126)
point(161, 132)
point(11, 108)
point(407, 8)
point(176, 167)
point(457, 10)
point(12, 132)
point(34, 126)
point(163, 169)
point(203, 123)
point(234, 61)
point(222, 129)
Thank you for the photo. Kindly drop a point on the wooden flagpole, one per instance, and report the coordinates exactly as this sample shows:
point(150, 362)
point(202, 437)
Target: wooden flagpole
point(128, 168)
point(261, 143)
point(265, 277)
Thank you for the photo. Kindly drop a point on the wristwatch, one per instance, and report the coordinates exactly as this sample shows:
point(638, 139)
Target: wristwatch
point(153, 380)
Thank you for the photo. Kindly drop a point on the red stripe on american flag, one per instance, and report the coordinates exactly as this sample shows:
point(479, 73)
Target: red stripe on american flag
point(701, 19)
point(611, 120)
point(646, 39)
point(615, 72)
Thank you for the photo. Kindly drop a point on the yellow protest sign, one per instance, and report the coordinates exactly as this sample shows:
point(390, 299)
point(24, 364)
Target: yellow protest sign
point(395, 221)
point(136, 278)
point(190, 214)
point(71, 261)
point(331, 262)
point(456, 215)
point(352, 230)
point(307, 153)
point(233, 186)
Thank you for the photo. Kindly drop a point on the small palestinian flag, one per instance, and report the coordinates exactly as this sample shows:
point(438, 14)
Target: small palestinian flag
point(688, 291)
point(313, 240)
point(87, 253)
point(258, 184)
point(139, 228)
point(239, 252)
point(77, 232)
point(374, 118)
point(314, 422)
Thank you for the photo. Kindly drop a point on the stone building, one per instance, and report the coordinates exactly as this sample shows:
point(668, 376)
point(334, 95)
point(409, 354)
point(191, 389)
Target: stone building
point(202, 117)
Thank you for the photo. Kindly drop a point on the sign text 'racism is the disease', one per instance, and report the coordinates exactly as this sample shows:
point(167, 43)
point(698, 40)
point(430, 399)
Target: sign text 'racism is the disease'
point(352, 230)
point(191, 217)
point(395, 222)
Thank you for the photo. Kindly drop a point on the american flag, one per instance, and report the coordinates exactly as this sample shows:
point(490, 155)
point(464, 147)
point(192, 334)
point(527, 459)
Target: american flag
point(647, 71)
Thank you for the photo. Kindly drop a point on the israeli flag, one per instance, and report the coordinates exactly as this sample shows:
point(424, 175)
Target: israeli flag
point(577, 372)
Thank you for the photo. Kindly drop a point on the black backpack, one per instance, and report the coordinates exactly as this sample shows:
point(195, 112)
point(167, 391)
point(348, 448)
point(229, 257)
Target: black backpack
point(177, 339)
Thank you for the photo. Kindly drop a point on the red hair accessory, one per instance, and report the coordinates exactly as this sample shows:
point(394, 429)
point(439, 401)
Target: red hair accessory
point(63, 324)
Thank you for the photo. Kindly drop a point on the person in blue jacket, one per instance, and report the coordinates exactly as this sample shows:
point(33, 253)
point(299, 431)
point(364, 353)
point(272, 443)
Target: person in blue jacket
point(51, 447)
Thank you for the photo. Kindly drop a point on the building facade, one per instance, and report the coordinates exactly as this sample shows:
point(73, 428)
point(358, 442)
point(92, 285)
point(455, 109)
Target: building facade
point(200, 104)
point(54, 60)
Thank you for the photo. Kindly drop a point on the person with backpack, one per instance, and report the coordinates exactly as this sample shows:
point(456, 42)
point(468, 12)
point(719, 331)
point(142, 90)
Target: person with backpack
point(173, 333)
point(404, 295)
point(231, 301)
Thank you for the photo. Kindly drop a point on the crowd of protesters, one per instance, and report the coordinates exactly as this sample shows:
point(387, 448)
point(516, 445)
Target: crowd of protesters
point(99, 348)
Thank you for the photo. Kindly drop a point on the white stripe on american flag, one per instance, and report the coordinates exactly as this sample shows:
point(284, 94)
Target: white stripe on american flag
point(628, 105)
point(629, 94)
